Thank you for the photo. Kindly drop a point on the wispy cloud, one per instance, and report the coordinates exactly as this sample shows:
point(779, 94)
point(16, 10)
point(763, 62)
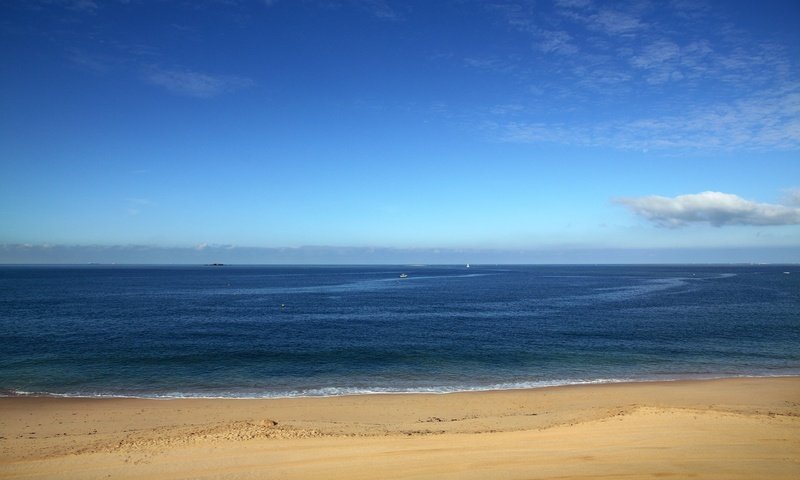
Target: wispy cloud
point(138, 58)
point(767, 120)
point(136, 205)
point(556, 41)
point(573, 3)
point(660, 60)
point(195, 84)
point(92, 62)
point(705, 84)
point(623, 20)
point(613, 22)
point(764, 121)
point(493, 64)
point(638, 40)
point(81, 5)
point(86, 6)
point(792, 197)
point(715, 208)
point(378, 8)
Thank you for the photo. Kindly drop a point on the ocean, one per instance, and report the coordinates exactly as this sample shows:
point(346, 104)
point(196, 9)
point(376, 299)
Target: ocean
point(278, 331)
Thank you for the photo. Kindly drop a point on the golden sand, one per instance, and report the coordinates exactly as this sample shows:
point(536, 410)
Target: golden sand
point(733, 428)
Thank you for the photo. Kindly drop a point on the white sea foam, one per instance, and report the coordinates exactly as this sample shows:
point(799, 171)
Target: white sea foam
point(352, 391)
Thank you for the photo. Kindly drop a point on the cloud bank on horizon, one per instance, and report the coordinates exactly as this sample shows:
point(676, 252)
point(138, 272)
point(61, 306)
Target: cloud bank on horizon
point(322, 255)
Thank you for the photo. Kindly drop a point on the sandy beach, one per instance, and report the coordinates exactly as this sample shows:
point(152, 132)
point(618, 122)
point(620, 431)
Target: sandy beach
point(732, 428)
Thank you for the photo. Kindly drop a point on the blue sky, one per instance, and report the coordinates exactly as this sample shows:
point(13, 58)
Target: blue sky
point(513, 131)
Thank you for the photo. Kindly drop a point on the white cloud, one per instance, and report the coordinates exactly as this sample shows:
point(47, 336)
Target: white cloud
point(195, 84)
point(715, 208)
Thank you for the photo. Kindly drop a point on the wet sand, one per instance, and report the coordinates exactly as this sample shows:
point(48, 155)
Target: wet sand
point(732, 428)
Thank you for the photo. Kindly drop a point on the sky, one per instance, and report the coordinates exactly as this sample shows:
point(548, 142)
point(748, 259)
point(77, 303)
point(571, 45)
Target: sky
point(381, 131)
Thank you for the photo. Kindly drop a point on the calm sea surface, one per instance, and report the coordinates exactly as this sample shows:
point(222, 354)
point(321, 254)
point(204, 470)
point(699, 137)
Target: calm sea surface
point(255, 331)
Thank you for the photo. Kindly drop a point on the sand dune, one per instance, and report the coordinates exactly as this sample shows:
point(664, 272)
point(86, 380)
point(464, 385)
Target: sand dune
point(734, 428)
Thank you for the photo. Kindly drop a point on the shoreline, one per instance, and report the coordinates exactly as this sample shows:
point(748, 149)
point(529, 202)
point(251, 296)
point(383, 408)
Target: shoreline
point(721, 428)
point(356, 392)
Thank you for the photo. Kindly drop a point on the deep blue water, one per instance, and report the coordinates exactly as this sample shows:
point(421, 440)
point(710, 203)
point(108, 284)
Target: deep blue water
point(278, 330)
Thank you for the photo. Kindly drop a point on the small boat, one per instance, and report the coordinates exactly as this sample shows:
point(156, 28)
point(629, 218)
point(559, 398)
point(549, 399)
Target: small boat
point(468, 265)
point(786, 273)
point(403, 275)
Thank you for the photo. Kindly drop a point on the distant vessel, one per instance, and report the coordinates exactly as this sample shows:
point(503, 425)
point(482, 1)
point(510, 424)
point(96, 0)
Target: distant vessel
point(468, 265)
point(403, 275)
point(786, 273)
